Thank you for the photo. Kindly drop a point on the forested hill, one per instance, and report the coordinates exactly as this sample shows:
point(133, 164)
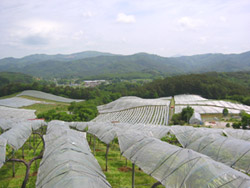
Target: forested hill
point(12, 63)
point(210, 86)
point(12, 77)
point(102, 64)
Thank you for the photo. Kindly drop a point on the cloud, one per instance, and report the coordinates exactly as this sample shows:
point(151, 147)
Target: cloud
point(203, 39)
point(124, 40)
point(36, 32)
point(88, 14)
point(78, 35)
point(40, 26)
point(223, 19)
point(189, 23)
point(123, 18)
point(35, 40)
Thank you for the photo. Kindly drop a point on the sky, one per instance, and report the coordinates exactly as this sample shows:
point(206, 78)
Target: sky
point(163, 27)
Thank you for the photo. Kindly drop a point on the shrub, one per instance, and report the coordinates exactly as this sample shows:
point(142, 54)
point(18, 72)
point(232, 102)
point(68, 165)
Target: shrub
point(225, 112)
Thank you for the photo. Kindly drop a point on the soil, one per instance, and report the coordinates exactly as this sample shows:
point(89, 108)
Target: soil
point(124, 169)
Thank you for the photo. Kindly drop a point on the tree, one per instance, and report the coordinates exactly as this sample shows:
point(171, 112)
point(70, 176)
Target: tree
point(184, 116)
point(187, 113)
point(225, 112)
point(244, 123)
point(176, 119)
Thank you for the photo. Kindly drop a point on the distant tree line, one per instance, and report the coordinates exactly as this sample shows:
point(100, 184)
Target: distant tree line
point(100, 96)
point(244, 123)
point(207, 86)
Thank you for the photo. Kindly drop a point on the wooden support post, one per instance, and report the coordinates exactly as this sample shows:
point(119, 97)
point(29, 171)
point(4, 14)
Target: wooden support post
point(23, 152)
point(133, 175)
point(33, 140)
point(29, 142)
point(94, 146)
point(90, 140)
point(13, 165)
point(107, 150)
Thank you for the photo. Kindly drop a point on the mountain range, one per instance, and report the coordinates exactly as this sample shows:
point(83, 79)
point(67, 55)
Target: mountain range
point(98, 64)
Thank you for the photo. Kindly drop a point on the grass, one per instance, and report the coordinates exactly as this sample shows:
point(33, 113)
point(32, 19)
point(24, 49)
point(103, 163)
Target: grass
point(44, 100)
point(40, 108)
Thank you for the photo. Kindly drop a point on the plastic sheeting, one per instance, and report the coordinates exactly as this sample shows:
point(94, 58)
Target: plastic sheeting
point(206, 109)
point(177, 167)
point(188, 134)
point(187, 97)
point(150, 130)
point(37, 124)
point(79, 125)
point(7, 124)
point(238, 133)
point(234, 108)
point(230, 151)
point(48, 96)
point(130, 102)
point(3, 143)
point(17, 102)
point(68, 162)
point(153, 114)
point(16, 114)
point(106, 132)
point(18, 135)
point(58, 122)
point(195, 119)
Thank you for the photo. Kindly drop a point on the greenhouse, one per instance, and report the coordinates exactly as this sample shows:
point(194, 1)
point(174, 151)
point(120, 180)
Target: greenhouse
point(230, 151)
point(106, 132)
point(16, 114)
point(47, 96)
point(17, 135)
point(17, 102)
point(238, 133)
point(131, 102)
point(3, 143)
point(177, 167)
point(196, 119)
point(205, 106)
point(68, 162)
point(157, 115)
point(187, 97)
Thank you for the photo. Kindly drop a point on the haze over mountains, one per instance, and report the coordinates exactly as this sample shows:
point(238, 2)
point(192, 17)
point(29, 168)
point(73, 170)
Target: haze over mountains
point(96, 64)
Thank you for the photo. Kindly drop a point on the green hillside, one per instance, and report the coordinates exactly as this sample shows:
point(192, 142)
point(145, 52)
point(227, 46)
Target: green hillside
point(12, 77)
point(101, 65)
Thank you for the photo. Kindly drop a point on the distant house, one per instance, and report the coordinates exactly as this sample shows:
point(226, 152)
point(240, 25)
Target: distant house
point(93, 83)
point(196, 119)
